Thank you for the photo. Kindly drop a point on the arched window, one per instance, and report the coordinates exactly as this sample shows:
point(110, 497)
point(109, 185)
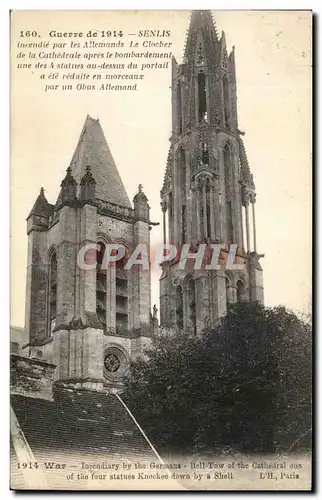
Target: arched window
point(122, 294)
point(192, 304)
point(202, 97)
point(228, 293)
point(240, 291)
point(183, 224)
point(228, 193)
point(179, 308)
point(101, 285)
point(52, 293)
point(226, 101)
point(205, 154)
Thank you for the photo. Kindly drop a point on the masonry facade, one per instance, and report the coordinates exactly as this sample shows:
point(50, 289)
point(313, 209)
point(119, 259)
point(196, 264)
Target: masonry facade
point(88, 323)
point(208, 195)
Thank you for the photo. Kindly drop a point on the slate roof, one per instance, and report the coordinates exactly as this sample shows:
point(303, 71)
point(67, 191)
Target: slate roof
point(92, 150)
point(83, 421)
point(41, 206)
point(78, 426)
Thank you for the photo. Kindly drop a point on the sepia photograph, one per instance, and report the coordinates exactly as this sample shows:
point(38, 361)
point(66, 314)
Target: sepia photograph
point(161, 215)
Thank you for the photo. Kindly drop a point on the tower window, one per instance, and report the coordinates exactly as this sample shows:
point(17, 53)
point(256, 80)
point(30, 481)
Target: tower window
point(229, 223)
point(205, 154)
point(183, 224)
point(101, 286)
point(202, 97)
point(192, 305)
point(228, 193)
point(179, 308)
point(208, 211)
point(121, 297)
point(53, 293)
point(228, 297)
point(226, 101)
point(240, 291)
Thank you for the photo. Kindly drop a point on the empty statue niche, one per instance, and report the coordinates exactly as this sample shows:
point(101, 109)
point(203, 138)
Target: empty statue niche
point(121, 277)
point(101, 286)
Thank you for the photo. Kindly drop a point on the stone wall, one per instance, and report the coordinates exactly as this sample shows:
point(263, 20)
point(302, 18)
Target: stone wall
point(31, 377)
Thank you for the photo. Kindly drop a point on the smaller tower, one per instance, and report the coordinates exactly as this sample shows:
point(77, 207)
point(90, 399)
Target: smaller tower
point(37, 269)
point(142, 275)
point(89, 322)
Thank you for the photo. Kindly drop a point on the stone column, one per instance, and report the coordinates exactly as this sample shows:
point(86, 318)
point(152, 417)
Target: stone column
point(204, 202)
point(164, 209)
point(212, 208)
point(217, 208)
point(253, 200)
point(170, 217)
point(247, 222)
point(198, 213)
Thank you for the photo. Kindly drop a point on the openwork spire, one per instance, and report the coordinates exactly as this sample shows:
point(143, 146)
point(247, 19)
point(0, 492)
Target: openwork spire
point(202, 42)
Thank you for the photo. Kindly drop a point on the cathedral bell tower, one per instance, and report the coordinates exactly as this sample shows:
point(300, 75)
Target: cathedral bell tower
point(208, 187)
point(88, 322)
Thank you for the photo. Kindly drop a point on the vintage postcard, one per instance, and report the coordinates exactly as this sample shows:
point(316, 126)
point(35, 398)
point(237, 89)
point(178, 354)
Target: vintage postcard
point(160, 213)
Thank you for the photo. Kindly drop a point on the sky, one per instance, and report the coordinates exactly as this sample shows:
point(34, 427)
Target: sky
point(273, 66)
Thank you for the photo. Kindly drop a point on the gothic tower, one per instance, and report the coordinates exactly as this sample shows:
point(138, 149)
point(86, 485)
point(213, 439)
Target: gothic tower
point(208, 188)
point(89, 323)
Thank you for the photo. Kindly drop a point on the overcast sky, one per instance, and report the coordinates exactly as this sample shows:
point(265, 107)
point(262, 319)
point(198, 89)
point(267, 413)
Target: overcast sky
point(273, 59)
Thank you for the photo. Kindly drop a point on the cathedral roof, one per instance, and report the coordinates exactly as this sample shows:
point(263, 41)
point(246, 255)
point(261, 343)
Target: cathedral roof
point(92, 151)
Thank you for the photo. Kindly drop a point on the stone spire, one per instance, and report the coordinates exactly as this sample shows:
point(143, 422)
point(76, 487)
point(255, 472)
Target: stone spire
point(92, 149)
point(41, 207)
point(202, 39)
